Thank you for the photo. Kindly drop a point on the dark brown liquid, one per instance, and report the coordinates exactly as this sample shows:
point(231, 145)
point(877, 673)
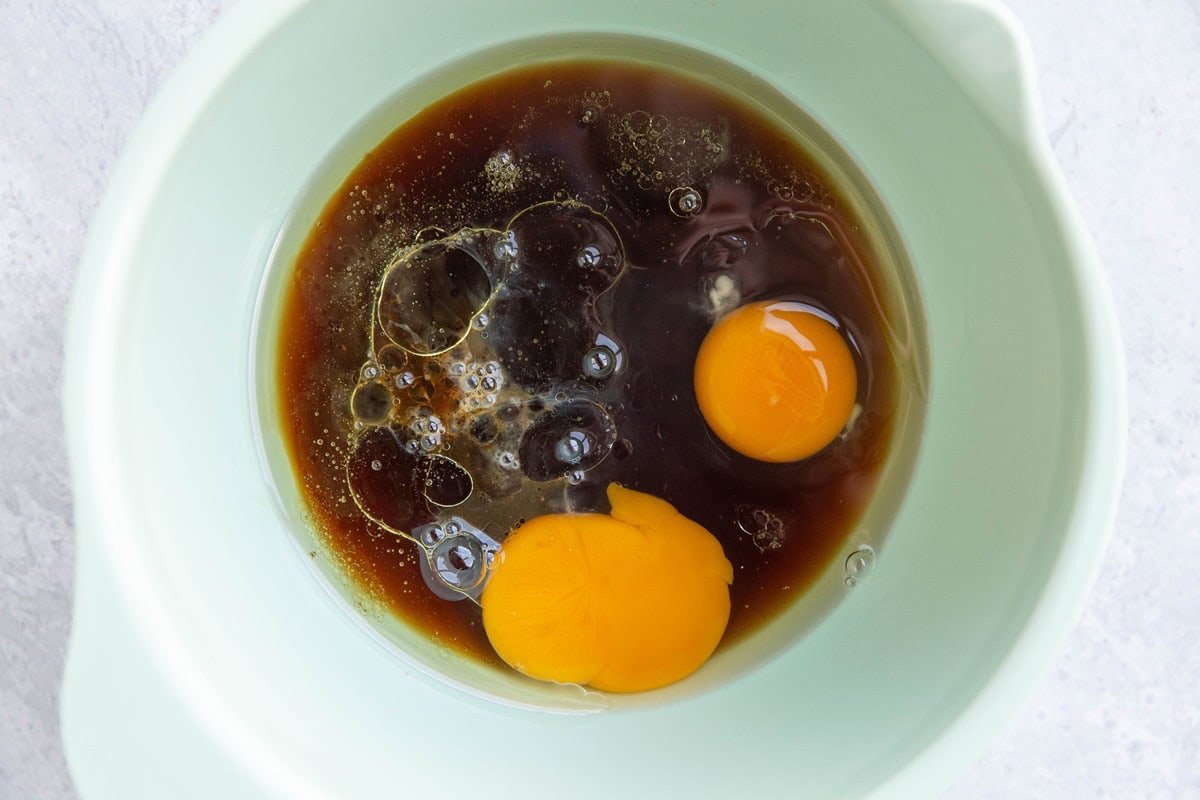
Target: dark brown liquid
point(621, 139)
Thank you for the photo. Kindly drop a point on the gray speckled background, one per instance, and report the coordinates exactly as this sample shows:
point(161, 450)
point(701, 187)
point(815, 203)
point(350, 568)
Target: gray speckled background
point(1117, 715)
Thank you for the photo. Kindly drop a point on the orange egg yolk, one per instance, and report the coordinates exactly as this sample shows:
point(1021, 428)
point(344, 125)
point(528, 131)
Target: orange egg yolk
point(623, 602)
point(775, 381)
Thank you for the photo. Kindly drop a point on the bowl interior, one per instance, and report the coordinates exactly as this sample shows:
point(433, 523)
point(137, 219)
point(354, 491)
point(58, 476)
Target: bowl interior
point(900, 307)
point(1012, 453)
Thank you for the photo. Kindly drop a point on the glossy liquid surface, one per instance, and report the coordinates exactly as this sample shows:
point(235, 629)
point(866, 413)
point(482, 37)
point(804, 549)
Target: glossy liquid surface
point(578, 226)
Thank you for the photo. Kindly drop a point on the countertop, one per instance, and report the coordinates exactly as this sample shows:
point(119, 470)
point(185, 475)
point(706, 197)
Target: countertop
point(1118, 712)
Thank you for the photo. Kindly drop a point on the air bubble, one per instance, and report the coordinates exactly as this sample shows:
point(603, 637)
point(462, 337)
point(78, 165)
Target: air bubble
point(503, 174)
point(377, 465)
point(470, 382)
point(480, 322)
point(599, 362)
point(458, 369)
point(684, 201)
point(575, 476)
point(572, 448)
point(589, 257)
point(505, 248)
point(428, 535)
point(405, 380)
point(859, 565)
point(369, 372)
point(766, 530)
point(508, 459)
point(489, 384)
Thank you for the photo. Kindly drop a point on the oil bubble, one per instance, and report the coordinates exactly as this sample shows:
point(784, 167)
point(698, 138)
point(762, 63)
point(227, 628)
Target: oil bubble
point(599, 362)
point(428, 535)
point(383, 476)
point(371, 402)
point(431, 292)
point(572, 448)
point(455, 563)
point(484, 429)
point(684, 201)
point(504, 250)
point(392, 358)
point(578, 433)
point(589, 257)
point(447, 483)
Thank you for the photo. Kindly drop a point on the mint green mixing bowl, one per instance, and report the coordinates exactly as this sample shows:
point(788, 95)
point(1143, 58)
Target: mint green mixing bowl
point(206, 661)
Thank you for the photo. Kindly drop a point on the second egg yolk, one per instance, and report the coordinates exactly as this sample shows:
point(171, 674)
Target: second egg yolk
point(624, 602)
point(775, 381)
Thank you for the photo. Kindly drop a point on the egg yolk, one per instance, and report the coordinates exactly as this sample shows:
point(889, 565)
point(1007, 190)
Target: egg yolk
point(623, 602)
point(775, 381)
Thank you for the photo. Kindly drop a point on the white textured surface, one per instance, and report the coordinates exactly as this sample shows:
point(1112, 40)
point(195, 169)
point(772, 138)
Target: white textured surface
point(1118, 714)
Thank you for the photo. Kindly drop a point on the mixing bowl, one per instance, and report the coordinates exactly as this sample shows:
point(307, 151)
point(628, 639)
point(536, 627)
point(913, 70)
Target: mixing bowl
point(208, 659)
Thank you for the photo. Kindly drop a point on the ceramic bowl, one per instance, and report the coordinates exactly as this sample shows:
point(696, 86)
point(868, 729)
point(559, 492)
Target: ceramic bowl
point(204, 645)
